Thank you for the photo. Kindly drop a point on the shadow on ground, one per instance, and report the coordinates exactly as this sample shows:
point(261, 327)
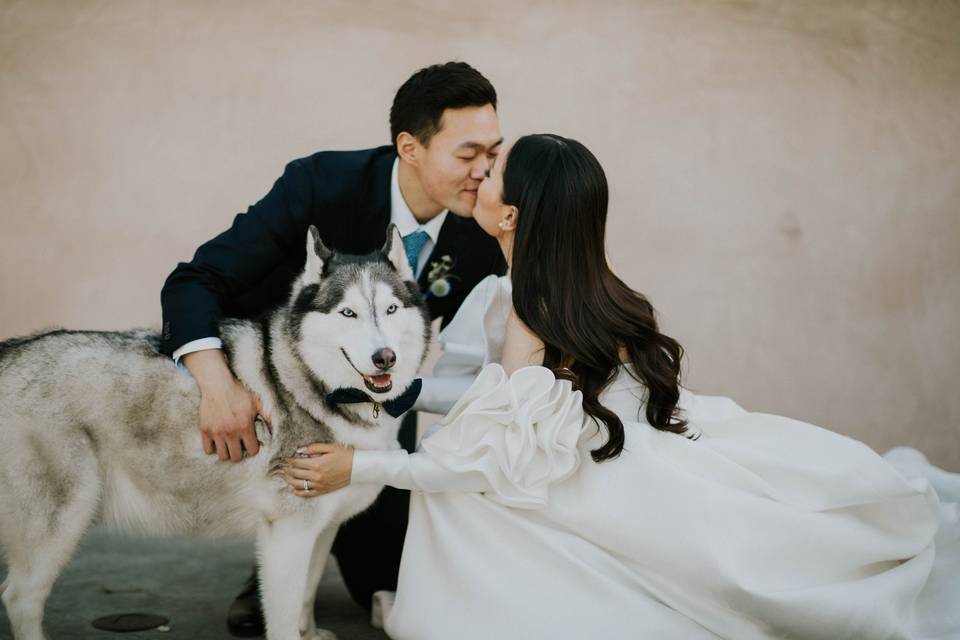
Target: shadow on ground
point(189, 581)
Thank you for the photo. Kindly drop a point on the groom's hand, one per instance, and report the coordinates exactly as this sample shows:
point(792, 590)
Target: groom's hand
point(227, 408)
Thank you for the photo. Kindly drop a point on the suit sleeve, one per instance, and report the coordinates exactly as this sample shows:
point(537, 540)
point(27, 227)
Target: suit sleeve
point(235, 261)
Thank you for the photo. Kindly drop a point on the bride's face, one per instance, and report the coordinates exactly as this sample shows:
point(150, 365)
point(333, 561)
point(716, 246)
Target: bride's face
point(490, 210)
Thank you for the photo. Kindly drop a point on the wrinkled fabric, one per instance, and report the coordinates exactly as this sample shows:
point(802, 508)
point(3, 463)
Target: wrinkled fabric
point(520, 432)
point(762, 527)
point(510, 437)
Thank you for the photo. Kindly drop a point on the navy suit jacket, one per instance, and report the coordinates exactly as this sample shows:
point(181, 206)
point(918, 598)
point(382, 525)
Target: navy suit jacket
point(249, 268)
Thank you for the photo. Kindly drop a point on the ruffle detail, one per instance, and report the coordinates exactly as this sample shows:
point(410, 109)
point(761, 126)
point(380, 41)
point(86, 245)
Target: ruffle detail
point(521, 432)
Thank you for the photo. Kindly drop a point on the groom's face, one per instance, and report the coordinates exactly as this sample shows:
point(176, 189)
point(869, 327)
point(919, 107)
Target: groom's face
point(458, 156)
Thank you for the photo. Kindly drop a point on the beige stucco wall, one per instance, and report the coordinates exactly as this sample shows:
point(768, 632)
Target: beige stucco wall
point(785, 175)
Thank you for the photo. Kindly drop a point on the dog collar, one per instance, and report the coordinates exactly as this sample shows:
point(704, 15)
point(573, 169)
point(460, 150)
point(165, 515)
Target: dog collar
point(396, 407)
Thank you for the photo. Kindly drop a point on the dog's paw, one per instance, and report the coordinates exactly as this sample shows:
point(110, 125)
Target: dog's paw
point(319, 634)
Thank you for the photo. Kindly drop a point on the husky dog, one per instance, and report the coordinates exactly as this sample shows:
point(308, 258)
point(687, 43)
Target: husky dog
point(99, 427)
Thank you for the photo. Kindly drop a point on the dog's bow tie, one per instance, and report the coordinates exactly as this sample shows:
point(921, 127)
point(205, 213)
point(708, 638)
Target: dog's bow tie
point(396, 407)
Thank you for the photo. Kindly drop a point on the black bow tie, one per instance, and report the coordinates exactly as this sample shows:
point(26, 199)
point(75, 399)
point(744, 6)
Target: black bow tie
point(396, 407)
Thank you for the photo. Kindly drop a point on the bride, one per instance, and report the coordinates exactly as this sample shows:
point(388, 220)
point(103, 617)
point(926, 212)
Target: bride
point(575, 490)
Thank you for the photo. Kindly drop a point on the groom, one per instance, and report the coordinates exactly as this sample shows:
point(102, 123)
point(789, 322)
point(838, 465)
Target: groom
point(445, 133)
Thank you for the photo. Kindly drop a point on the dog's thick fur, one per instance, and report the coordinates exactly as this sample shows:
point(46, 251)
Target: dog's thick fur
point(99, 427)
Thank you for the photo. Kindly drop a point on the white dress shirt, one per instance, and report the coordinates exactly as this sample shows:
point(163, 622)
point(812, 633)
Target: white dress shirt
point(400, 215)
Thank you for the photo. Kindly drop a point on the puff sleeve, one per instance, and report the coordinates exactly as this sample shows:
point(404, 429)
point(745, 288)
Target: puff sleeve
point(473, 339)
point(510, 437)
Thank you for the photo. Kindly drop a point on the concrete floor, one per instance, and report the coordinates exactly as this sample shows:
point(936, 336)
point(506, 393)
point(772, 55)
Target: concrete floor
point(191, 582)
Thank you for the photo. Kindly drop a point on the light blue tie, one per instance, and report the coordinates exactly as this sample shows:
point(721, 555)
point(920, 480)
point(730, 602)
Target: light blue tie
point(413, 244)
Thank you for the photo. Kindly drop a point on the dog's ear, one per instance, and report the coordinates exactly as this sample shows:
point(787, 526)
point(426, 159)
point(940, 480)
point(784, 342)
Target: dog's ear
point(317, 255)
point(396, 254)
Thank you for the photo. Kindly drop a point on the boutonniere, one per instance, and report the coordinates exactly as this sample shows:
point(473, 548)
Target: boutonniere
point(439, 278)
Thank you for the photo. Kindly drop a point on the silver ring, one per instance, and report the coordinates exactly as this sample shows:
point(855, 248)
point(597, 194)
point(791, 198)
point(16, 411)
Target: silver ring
point(306, 485)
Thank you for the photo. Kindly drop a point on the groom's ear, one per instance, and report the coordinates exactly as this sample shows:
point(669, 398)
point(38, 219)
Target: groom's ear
point(396, 254)
point(317, 256)
point(408, 148)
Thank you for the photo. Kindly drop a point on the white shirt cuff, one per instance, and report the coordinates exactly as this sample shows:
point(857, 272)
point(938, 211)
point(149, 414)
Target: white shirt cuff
point(203, 344)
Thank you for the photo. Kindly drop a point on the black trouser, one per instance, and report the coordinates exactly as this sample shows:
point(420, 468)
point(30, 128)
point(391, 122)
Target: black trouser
point(368, 546)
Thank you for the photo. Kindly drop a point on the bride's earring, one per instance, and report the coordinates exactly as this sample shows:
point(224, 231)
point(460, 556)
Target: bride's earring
point(502, 224)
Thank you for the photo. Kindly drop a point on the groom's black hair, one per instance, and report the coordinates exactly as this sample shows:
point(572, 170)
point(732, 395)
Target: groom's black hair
point(420, 102)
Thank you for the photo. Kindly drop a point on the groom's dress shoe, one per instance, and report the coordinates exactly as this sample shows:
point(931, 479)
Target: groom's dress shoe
point(245, 616)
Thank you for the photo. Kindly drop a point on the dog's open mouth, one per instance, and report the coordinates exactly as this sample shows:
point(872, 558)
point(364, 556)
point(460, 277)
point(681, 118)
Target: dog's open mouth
point(378, 384)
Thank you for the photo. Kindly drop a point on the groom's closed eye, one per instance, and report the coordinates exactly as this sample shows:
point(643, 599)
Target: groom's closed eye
point(492, 156)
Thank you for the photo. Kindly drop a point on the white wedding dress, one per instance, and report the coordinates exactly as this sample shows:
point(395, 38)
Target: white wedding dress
point(750, 526)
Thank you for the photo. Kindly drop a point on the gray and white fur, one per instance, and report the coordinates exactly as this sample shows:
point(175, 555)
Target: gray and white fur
point(100, 428)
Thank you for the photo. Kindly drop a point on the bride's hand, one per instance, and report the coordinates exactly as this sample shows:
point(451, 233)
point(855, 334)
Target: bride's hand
point(326, 469)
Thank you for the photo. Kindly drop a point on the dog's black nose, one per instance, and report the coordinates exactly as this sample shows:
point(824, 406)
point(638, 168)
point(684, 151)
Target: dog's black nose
point(384, 358)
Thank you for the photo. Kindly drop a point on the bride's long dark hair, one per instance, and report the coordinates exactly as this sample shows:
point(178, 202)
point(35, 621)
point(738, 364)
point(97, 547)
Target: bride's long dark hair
point(565, 292)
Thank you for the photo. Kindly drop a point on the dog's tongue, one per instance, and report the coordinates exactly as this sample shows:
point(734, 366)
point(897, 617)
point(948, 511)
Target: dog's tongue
point(381, 380)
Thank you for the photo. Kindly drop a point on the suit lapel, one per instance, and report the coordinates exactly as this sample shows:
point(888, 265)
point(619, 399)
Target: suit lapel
point(446, 245)
point(473, 254)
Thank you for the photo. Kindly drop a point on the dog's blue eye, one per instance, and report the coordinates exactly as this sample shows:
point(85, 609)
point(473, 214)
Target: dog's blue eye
point(391, 309)
point(348, 313)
